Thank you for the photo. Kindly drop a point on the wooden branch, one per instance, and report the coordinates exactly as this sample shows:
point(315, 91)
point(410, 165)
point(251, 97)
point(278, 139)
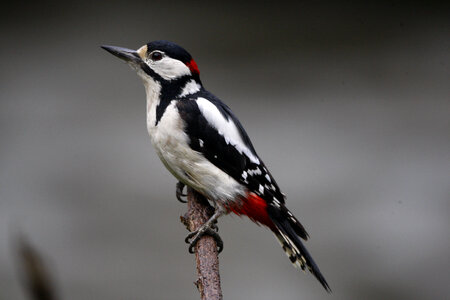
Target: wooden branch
point(206, 255)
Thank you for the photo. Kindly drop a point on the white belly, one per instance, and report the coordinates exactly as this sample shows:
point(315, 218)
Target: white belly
point(189, 166)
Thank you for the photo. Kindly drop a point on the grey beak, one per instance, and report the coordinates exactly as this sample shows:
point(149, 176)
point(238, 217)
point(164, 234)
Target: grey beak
point(127, 55)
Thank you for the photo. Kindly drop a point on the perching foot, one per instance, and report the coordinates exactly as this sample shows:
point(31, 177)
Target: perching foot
point(195, 236)
point(209, 228)
point(179, 192)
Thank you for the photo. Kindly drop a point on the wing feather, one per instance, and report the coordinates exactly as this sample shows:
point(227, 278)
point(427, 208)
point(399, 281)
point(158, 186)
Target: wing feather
point(219, 136)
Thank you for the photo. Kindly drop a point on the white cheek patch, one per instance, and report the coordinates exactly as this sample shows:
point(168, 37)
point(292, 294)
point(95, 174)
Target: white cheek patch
point(225, 127)
point(169, 68)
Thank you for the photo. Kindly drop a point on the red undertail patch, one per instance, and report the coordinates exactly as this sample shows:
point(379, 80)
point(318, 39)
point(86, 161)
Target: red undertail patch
point(255, 208)
point(192, 65)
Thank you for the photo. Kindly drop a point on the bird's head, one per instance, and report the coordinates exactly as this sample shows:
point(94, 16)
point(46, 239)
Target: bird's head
point(160, 62)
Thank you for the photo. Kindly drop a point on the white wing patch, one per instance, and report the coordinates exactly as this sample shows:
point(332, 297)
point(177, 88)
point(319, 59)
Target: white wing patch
point(225, 127)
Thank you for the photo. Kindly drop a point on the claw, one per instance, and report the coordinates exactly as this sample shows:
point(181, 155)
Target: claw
point(209, 228)
point(197, 235)
point(179, 191)
point(215, 227)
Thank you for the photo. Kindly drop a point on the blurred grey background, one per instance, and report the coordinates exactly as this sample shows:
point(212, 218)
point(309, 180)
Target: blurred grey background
point(347, 103)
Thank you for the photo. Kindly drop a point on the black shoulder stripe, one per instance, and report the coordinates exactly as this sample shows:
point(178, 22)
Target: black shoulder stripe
point(169, 91)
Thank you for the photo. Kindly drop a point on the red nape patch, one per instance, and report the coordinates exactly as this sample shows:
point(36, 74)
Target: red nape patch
point(255, 208)
point(192, 65)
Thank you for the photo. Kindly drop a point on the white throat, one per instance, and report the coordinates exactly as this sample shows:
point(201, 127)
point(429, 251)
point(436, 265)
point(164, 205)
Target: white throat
point(153, 92)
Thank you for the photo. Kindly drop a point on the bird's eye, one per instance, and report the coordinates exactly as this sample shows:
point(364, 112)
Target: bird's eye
point(156, 56)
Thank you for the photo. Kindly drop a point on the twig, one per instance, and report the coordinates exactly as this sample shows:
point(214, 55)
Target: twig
point(206, 255)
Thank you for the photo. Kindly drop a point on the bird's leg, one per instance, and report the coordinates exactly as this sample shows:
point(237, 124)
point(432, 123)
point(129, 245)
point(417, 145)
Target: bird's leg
point(209, 228)
point(179, 192)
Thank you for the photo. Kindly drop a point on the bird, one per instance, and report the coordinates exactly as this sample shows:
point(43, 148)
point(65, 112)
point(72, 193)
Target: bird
point(204, 145)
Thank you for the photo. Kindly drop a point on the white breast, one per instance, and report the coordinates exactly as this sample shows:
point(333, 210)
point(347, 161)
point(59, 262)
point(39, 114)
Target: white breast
point(188, 166)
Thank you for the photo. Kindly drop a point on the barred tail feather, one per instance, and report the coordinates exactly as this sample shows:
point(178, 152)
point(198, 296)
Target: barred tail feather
point(294, 248)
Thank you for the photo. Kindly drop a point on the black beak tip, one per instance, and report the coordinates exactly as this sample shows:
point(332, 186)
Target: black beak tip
point(125, 54)
point(107, 48)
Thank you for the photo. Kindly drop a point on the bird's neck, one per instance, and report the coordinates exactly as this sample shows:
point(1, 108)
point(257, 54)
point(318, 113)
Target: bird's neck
point(160, 94)
point(153, 93)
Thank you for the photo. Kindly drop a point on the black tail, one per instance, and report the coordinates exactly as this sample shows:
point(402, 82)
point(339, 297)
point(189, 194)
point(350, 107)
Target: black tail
point(288, 231)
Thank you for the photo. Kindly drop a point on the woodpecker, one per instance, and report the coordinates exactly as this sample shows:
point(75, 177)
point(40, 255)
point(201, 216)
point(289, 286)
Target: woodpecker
point(203, 144)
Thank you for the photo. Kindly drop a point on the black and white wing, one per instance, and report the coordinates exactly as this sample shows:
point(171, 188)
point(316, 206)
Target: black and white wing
point(216, 132)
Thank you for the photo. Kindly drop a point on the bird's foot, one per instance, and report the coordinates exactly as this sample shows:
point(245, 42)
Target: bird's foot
point(179, 192)
point(206, 229)
point(209, 228)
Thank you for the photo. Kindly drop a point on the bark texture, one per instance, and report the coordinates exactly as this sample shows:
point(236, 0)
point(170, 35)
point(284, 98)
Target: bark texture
point(206, 255)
